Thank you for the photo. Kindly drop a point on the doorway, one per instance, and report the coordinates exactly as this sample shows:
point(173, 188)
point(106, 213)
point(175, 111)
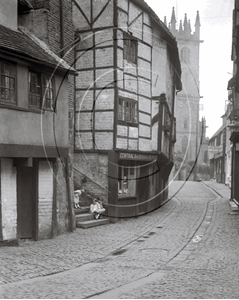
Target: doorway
point(25, 202)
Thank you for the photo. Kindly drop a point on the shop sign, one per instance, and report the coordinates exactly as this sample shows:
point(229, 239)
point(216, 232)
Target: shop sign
point(136, 156)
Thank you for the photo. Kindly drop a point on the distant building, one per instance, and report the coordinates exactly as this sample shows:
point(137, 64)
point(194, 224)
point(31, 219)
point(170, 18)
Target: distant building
point(188, 126)
point(125, 95)
point(233, 98)
point(217, 153)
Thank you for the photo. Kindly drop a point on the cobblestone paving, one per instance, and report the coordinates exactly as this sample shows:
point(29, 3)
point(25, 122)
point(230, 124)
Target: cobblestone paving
point(148, 244)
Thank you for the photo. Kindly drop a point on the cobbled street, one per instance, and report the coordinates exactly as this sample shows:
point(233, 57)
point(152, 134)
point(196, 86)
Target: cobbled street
point(186, 249)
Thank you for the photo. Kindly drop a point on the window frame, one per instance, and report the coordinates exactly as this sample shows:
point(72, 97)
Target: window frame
point(130, 45)
point(122, 111)
point(42, 92)
point(14, 65)
point(127, 179)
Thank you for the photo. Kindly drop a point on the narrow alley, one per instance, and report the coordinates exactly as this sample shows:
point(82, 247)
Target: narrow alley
point(185, 249)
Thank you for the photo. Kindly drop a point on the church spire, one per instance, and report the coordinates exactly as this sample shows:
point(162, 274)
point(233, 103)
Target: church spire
point(197, 23)
point(197, 26)
point(165, 21)
point(180, 27)
point(173, 20)
point(185, 23)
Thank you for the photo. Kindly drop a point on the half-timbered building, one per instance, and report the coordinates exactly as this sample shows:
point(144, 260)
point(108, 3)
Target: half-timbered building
point(129, 73)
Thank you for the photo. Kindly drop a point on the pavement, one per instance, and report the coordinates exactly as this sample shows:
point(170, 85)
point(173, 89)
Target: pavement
point(185, 249)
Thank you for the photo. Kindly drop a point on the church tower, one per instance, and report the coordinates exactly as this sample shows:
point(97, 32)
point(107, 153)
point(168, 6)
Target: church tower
point(187, 105)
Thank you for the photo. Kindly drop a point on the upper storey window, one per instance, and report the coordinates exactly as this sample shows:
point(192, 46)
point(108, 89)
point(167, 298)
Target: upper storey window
point(130, 48)
point(41, 91)
point(8, 82)
point(127, 110)
point(185, 55)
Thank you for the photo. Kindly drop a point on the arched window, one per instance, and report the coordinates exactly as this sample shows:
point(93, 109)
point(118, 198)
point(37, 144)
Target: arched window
point(185, 125)
point(184, 144)
point(185, 55)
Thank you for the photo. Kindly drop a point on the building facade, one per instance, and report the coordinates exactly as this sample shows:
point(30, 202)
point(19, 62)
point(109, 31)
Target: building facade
point(35, 202)
point(124, 107)
point(233, 97)
point(191, 143)
point(217, 153)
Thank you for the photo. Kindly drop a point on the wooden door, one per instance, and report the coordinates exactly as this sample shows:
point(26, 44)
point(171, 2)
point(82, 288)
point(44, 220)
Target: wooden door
point(25, 202)
point(143, 188)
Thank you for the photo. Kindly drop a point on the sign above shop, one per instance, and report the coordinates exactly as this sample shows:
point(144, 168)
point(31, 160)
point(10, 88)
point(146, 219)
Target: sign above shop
point(137, 156)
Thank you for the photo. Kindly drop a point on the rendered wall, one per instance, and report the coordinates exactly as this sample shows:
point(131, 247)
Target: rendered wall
point(8, 180)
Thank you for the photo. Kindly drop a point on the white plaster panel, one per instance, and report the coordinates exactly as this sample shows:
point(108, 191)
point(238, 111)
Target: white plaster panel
point(121, 143)
point(84, 100)
point(122, 130)
point(104, 99)
point(133, 132)
point(133, 144)
point(104, 140)
point(9, 199)
point(84, 140)
point(104, 120)
point(45, 198)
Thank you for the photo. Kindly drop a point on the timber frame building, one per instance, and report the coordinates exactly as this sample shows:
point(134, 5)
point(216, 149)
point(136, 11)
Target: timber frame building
point(129, 73)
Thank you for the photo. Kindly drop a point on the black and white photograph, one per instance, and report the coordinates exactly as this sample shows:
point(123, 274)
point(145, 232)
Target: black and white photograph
point(119, 149)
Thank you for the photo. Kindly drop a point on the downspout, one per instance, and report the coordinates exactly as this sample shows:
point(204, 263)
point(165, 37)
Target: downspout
point(67, 160)
point(62, 25)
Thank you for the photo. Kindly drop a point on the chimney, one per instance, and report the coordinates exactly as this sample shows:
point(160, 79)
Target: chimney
point(9, 13)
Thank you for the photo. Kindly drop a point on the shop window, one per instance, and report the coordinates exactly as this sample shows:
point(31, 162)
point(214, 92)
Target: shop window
point(8, 82)
point(41, 91)
point(130, 48)
point(127, 110)
point(127, 181)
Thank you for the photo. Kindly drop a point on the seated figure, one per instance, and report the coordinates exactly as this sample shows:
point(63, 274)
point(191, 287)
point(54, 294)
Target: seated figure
point(96, 208)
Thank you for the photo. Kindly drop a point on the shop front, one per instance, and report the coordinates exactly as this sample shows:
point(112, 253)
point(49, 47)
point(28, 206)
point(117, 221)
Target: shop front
point(137, 183)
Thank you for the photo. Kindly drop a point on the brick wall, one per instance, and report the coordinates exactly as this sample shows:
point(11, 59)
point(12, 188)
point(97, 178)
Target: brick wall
point(95, 166)
point(8, 189)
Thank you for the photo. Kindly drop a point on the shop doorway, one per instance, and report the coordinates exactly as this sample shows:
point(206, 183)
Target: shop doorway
point(143, 187)
point(25, 202)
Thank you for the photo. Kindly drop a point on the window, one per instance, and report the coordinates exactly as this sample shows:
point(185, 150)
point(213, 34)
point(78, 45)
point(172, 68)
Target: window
point(8, 82)
point(127, 180)
point(185, 55)
point(41, 91)
point(128, 110)
point(185, 124)
point(130, 48)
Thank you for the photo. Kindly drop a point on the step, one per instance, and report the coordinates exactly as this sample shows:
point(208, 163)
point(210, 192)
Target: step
point(92, 223)
point(81, 210)
point(84, 217)
point(233, 205)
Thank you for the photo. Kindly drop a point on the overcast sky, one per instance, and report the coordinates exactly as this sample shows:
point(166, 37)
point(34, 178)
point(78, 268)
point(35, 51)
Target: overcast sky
point(215, 51)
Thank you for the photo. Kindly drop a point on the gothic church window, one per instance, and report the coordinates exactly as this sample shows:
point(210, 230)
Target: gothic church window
point(185, 55)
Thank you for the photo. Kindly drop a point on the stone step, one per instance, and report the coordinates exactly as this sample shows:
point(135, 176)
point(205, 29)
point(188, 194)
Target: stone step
point(81, 210)
point(84, 217)
point(92, 223)
point(233, 205)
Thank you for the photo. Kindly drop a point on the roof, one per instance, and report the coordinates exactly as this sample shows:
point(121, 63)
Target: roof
point(171, 40)
point(218, 131)
point(29, 47)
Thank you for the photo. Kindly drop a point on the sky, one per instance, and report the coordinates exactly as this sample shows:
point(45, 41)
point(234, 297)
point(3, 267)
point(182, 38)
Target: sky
point(215, 52)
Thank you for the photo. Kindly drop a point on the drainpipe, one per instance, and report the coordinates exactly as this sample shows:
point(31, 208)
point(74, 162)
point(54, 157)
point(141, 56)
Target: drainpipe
point(62, 25)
